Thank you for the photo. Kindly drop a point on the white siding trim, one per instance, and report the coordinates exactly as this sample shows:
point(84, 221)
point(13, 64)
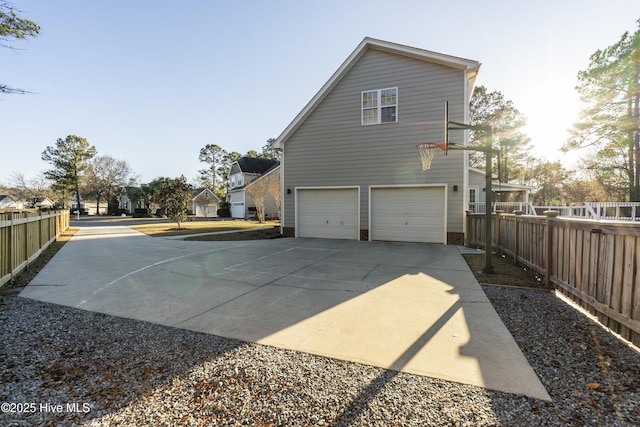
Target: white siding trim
point(446, 199)
point(334, 187)
point(283, 193)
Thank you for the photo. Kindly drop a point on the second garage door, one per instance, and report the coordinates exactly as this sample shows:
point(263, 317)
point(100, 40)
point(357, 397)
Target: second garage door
point(408, 214)
point(328, 213)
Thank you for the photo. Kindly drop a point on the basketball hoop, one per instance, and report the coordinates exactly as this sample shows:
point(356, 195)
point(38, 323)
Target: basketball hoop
point(427, 151)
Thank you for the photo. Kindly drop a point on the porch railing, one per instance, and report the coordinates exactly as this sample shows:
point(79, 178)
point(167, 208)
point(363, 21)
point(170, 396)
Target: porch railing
point(619, 211)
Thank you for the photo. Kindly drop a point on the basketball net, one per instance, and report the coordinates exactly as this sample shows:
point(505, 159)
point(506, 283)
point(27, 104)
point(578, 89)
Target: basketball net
point(427, 151)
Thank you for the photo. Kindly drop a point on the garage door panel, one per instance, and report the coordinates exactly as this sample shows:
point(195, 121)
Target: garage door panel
point(328, 213)
point(237, 210)
point(411, 214)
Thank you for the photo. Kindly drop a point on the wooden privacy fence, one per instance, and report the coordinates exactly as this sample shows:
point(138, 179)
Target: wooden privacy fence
point(595, 263)
point(24, 235)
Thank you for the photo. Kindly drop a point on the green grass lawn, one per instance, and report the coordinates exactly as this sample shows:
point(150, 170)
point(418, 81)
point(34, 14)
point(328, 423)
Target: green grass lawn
point(161, 229)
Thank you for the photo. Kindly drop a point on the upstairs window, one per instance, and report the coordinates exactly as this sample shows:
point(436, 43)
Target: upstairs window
point(380, 106)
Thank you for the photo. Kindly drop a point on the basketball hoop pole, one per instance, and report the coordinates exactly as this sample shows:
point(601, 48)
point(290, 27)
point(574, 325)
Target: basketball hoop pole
point(488, 153)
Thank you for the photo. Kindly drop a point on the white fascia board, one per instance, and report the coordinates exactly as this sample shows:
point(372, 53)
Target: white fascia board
point(504, 186)
point(481, 172)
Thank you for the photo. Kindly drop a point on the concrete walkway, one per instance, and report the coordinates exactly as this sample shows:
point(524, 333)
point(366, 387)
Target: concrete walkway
point(409, 307)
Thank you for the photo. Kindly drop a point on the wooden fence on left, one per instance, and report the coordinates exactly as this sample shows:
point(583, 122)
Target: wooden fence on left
point(24, 235)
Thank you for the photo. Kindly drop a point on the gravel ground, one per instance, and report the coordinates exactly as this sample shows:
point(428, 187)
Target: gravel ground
point(106, 371)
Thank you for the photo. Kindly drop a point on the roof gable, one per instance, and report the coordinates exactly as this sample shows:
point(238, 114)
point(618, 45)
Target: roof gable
point(471, 67)
point(130, 191)
point(204, 192)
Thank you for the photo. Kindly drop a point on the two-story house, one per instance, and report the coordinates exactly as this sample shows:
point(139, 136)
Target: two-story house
point(242, 172)
point(350, 165)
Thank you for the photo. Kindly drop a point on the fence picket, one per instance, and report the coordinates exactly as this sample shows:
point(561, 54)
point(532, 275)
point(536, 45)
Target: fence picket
point(23, 236)
point(626, 293)
point(595, 263)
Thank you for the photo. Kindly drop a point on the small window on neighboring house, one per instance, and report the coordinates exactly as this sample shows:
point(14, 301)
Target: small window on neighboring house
point(473, 199)
point(380, 106)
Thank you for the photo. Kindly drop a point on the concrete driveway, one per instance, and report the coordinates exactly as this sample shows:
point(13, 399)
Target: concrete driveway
point(409, 307)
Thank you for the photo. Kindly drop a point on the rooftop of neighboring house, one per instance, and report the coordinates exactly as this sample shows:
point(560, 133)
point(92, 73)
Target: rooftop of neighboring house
point(256, 165)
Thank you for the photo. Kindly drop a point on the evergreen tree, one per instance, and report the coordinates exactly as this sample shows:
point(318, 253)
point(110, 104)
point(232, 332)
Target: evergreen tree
point(14, 27)
point(509, 142)
point(610, 119)
point(69, 158)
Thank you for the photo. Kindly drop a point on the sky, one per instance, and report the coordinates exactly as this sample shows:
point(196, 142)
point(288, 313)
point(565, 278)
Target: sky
point(154, 82)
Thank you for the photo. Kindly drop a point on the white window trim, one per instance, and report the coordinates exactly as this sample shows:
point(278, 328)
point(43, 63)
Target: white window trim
point(475, 188)
point(378, 107)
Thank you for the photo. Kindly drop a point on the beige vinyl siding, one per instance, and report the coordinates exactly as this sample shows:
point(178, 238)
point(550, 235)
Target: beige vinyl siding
point(332, 148)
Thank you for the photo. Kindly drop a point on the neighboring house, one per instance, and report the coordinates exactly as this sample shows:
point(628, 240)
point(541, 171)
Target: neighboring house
point(242, 172)
point(261, 184)
point(502, 192)
point(90, 206)
point(204, 203)
point(8, 202)
point(44, 203)
point(73, 202)
point(350, 168)
point(129, 199)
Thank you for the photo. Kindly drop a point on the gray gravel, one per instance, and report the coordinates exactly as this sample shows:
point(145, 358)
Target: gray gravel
point(108, 371)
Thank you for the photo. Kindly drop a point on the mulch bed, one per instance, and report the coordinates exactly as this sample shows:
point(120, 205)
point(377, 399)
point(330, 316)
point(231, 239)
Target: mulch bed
point(270, 233)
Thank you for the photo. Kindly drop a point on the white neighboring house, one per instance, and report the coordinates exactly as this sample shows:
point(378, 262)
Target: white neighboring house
point(73, 202)
point(90, 206)
point(8, 202)
point(43, 203)
point(242, 172)
point(204, 203)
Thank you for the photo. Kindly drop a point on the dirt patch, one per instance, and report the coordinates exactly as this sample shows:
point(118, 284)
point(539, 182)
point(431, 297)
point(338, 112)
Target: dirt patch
point(269, 233)
point(507, 273)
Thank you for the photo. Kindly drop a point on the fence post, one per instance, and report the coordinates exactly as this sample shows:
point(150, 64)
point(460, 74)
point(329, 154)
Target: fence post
point(12, 252)
point(467, 229)
point(499, 213)
point(516, 231)
point(549, 256)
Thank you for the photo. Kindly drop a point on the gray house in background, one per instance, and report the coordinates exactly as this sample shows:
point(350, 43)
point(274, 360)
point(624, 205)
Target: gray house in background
point(8, 202)
point(130, 199)
point(350, 168)
point(514, 196)
point(242, 172)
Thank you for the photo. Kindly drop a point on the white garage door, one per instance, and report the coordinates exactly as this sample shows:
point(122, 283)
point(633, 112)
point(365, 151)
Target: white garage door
point(328, 213)
point(408, 214)
point(237, 210)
